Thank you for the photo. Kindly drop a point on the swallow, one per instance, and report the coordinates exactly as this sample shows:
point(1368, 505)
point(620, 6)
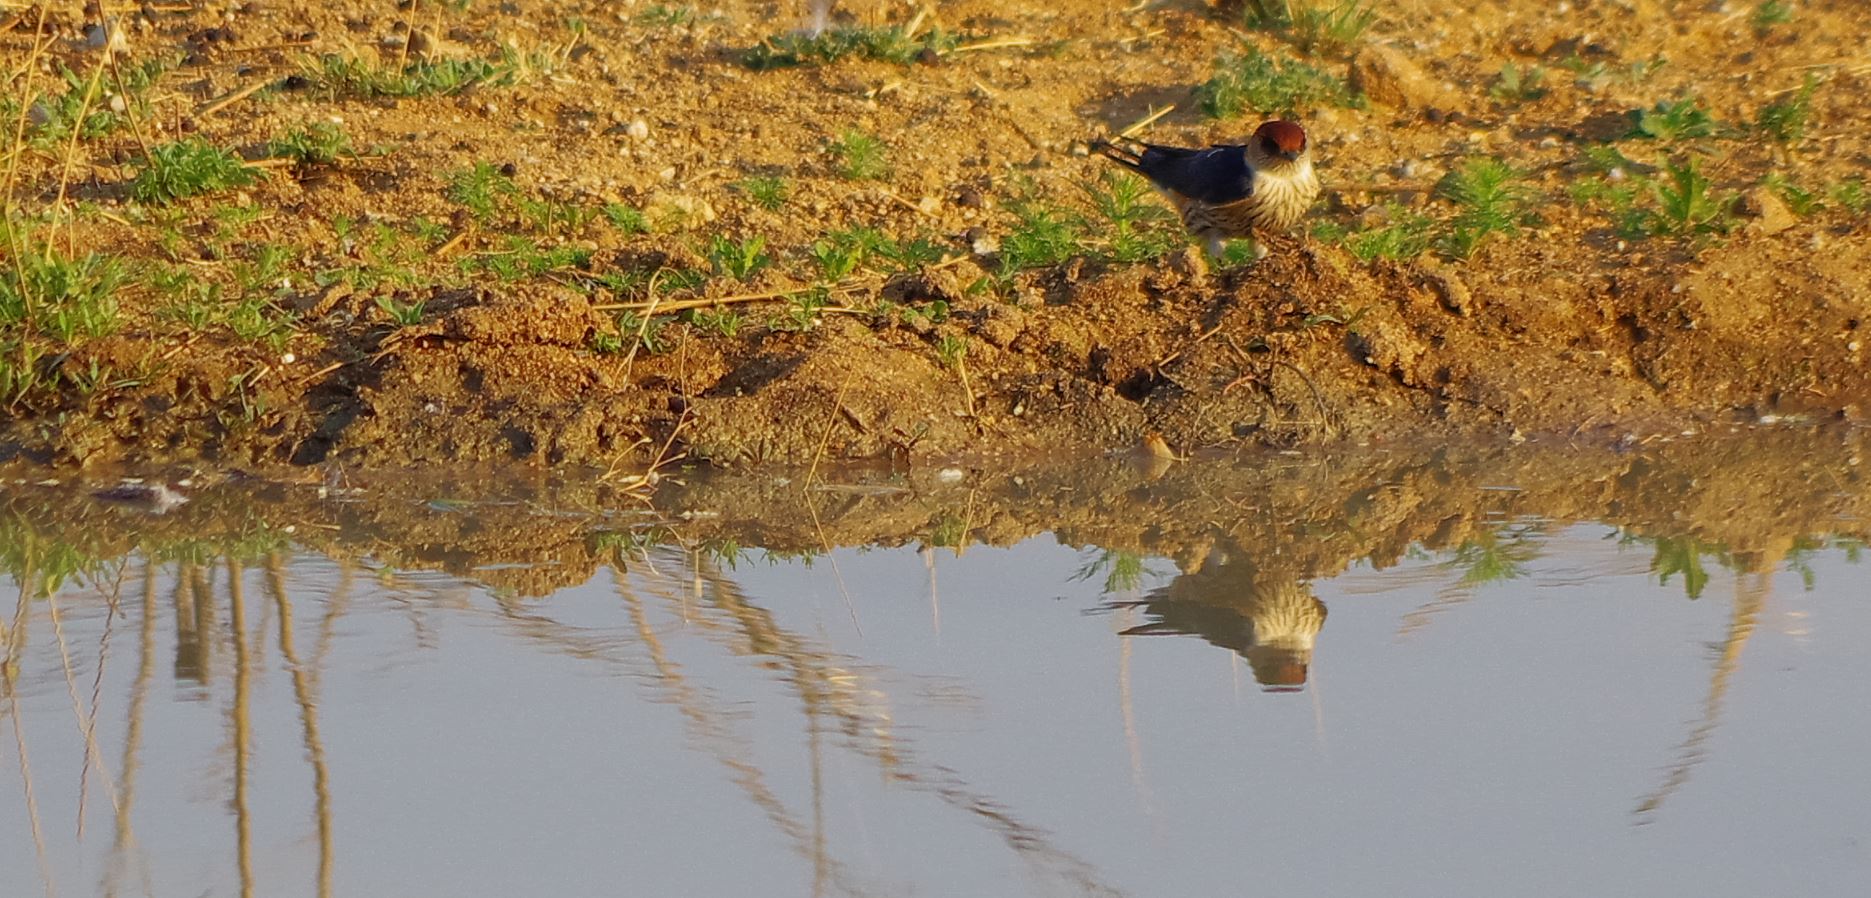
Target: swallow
point(1263, 186)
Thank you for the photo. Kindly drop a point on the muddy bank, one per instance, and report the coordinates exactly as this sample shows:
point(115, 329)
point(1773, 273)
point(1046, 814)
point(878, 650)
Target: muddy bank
point(578, 234)
point(1749, 500)
point(1306, 347)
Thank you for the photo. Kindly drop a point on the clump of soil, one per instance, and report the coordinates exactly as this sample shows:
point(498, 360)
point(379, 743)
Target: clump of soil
point(419, 321)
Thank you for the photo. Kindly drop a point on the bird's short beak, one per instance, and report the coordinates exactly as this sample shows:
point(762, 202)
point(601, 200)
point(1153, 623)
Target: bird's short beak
point(1291, 155)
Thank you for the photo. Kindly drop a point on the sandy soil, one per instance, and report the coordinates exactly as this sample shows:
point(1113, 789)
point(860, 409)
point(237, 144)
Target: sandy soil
point(398, 325)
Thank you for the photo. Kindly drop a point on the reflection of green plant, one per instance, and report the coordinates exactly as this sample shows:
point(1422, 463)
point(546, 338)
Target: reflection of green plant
point(949, 531)
point(1123, 570)
point(1683, 555)
point(1495, 556)
point(43, 565)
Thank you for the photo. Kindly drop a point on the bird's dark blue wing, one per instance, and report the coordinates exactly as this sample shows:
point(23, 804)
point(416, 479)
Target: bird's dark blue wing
point(1215, 176)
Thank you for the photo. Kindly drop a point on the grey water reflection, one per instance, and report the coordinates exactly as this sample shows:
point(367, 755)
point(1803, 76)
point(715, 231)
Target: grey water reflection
point(889, 685)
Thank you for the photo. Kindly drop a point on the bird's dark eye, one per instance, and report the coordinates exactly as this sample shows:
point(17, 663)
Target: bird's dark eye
point(1269, 145)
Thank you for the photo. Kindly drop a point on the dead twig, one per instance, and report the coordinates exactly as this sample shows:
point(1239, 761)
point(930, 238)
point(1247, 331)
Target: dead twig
point(230, 99)
point(1145, 122)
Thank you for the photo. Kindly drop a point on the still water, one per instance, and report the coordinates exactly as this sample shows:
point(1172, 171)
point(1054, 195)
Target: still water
point(1499, 674)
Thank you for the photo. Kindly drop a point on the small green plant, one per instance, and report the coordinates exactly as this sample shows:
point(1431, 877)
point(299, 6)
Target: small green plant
point(802, 312)
point(1771, 13)
point(256, 319)
point(765, 191)
point(1687, 204)
point(1674, 120)
point(738, 259)
point(58, 296)
point(1518, 85)
point(405, 314)
point(860, 156)
point(607, 343)
point(1800, 201)
point(322, 143)
point(666, 15)
point(350, 76)
point(1785, 120)
point(1043, 236)
point(1406, 236)
point(909, 255)
point(625, 219)
point(952, 349)
point(1237, 253)
point(21, 370)
point(645, 333)
point(888, 44)
point(1254, 82)
point(185, 168)
point(837, 258)
point(723, 321)
point(1597, 73)
point(552, 216)
point(1852, 194)
point(53, 115)
point(523, 257)
point(1491, 198)
point(483, 190)
point(1135, 221)
point(1330, 26)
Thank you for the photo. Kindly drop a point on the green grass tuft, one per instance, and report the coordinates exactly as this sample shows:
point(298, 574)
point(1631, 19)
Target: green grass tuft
point(1771, 13)
point(1518, 85)
point(860, 156)
point(888, 44)
point(1044, 236)
point(1785, 120)
point(1674, 120)
point(1491, 198)
point(351, 76)
point(1254, 82)
point(738, 259)
point(765, 191)
point(1137, 226)
point(1405, 237)
point(1687, 204)
point(322, 143)
point(1330, 26)
point(186, 168)
point(483, 190)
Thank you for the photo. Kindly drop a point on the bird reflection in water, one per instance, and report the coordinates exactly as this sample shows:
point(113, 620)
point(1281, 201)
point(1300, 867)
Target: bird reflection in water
point(1268, 617)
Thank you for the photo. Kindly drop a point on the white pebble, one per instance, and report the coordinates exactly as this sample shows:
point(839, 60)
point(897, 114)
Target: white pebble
point(637, 130)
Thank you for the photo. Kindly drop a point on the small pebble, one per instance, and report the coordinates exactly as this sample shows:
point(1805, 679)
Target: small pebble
point(637, 130)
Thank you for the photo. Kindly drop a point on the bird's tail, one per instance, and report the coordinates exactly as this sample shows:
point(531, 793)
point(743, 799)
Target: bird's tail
point(1122, 155)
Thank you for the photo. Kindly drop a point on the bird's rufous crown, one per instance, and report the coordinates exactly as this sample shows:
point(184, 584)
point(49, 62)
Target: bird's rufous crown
point(1281, 136)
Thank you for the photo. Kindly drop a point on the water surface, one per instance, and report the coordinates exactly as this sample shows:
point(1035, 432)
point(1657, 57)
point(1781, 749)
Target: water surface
point(1521, 672)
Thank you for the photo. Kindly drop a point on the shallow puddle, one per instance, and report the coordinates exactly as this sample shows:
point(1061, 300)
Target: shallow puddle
point(1541, 673)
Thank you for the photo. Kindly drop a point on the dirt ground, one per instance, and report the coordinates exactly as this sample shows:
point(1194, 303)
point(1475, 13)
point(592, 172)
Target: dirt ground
point(586, 306)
